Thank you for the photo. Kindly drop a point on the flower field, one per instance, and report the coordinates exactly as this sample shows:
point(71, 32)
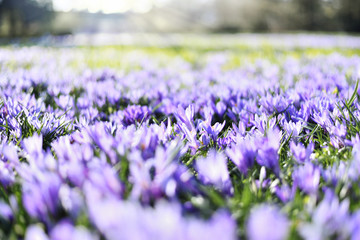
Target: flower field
point(179, 143)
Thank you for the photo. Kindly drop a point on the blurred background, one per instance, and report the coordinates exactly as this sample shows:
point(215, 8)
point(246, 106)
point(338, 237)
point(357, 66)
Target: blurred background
point(26, 18)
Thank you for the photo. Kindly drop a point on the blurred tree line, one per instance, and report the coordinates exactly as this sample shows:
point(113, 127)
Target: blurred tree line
point(24, 17)
point(285, 15)
point(36, 17)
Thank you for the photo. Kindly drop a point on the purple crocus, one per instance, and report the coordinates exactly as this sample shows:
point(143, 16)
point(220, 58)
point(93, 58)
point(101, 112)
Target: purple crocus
point(329, 219)
point(285, 193)
point(186, 125)
point(276, 103)
point(262, 123)
point(213, 130)
point(33, 145)
point(66, 231)
point(307, 178)
point(6, 213)
point(35, 232)
point(186, 116)
point(355, 226)
point(220, 108)
point(243, 154)
point(41, 197)
point(266, 222)
point(220, 226)
point(300, 153)
point(136, 114)
point(212, 169)
point(293, 129)
point(268, 150)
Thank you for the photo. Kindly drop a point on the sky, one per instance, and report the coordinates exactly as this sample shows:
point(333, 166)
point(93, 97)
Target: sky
point(108, 6)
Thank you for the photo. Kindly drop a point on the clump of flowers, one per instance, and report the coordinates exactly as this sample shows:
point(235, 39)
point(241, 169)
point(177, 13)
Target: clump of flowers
point(182, 150)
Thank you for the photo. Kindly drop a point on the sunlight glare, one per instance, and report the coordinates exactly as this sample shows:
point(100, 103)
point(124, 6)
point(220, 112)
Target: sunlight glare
point(107, 6)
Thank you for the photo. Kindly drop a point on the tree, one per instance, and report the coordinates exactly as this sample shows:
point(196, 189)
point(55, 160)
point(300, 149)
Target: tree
point(309, 14)
point(20, 14)
point(349, 15)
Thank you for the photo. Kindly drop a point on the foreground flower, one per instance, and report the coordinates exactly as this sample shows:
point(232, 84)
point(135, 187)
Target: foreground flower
point(243, 154)
point(268, 150)
point(125, 220)
point(266, 222)
point(307, 178)
point(329, 219)
point(213, 170)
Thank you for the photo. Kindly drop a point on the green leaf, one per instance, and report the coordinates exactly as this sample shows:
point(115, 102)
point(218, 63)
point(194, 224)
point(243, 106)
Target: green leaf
point(354, 95)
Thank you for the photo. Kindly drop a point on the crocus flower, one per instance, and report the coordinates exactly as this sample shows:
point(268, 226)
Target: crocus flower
point(186, 125)
point(262, 123)
point(41, 197)
point(33, 145)
point(330, 218)
point(268, 150)
point(293, 129)
point(212, 130)
point(66, 231)
point(307, 178)
point(6, 212)
point(135, 113)
point(243, 154)
point(355, 226)
point(301, 153)
point(285, 193)
point(266, 222)
point(220, 226)
point(213, 170)
point(35, 232)
point(274, 103)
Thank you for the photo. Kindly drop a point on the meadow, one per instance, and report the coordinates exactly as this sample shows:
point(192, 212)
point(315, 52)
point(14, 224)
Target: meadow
point(228, 141)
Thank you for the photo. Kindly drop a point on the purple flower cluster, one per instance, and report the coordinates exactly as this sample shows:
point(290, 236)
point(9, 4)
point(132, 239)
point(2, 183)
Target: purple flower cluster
point(263, 151)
